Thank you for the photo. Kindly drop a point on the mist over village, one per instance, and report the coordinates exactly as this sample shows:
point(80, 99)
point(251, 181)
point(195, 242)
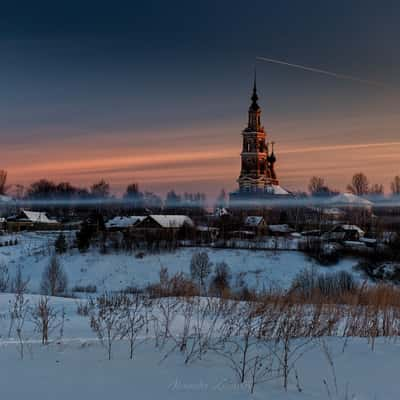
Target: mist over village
point(200, 200)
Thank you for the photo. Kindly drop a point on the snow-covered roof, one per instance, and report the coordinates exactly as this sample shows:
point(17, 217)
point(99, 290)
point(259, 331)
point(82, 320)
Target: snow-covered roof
point(333, 211)
point(277, 190)
point(350, 199)
point(5, 198)
point(38, 217)
point(253, 220)
point(124, 222)
point(172, 221)
point(243, 232)
point(354, 245)
point(202, 228)
point(219, 212)
point(282, 228)
point(368, 240)
point(346, 227)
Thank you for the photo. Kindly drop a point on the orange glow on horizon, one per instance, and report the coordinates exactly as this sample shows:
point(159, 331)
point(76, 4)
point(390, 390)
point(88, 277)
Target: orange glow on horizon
point(336, 163)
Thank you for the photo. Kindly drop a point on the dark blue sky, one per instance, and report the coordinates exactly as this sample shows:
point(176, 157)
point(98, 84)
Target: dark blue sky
point(72, 71)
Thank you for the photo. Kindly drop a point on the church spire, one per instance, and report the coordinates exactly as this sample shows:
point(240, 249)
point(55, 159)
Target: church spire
point(254, 123)
point(254, 98)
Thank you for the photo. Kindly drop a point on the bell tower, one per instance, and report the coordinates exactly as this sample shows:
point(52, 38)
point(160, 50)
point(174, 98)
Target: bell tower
point(257, 164)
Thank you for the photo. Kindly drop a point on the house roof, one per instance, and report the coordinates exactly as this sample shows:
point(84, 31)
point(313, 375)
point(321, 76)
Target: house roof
point(253, 220)
point(346, 227)
point(277, 190)
point(172, 221)
point(350, 199)
point(124, 222)
point(219, 212)
point(5, 198)
point(283, 228)
point(37, 217)
point(202, 228)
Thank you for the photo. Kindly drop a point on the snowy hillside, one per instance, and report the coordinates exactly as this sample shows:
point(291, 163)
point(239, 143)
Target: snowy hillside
point(116, 271)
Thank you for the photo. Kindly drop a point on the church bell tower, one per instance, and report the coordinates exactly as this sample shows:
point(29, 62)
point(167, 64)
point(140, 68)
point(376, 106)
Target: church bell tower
point(257, 170)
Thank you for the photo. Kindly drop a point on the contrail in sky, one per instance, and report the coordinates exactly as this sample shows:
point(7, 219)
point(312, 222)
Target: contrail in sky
point(321, 71)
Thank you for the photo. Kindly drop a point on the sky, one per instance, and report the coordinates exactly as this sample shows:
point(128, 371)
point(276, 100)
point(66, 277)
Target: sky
point(157, 92)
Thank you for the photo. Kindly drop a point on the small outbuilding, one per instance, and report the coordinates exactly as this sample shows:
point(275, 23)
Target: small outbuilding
point(280, 230)
point(255, 224)
point(344, 233)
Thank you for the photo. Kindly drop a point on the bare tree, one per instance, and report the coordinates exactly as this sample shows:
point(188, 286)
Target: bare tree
point(106, 319)
point(54, 279)
point(133, 320)
point(19, 284)
point(221, 278)
point(359, 184)
point(316, 184)
point(100, 189)
point(45, 318)
point(200, 269)
point(19, 308)
point(4, 278)
point(395, 185)
point(376, 189)
point(3, 181)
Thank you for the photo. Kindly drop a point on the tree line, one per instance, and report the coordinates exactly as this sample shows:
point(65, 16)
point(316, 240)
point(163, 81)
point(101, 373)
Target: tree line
point(359, 185)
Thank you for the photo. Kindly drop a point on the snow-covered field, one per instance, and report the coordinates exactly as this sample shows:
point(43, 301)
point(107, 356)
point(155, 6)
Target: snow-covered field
point(76, 366)
point(118, 271)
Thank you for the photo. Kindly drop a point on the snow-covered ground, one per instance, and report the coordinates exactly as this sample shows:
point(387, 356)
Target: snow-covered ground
point(80, 370)
point(118, 271)
point(76, 366)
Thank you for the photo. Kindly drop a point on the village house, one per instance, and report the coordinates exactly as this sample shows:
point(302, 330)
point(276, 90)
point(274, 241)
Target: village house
point(255, 224)
point(165, 227)
point(344, 232)
point(206, 234)
point(2, 224)
point(122, 224)
point(280, 230)
point(31, 220)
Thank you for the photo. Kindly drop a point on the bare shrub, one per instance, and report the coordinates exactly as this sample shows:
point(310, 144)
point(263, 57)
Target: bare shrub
point(54, 279)
point(242, 345)
point(308, 283)
point(221, 278)
point(19, 284)
point(168, 308)
point(106, 319)
point(4, 278)
point(83, 308)
point(201, 333)
point(176, 286)
point(61, 244)
point(133, 320)
point(18, 310)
